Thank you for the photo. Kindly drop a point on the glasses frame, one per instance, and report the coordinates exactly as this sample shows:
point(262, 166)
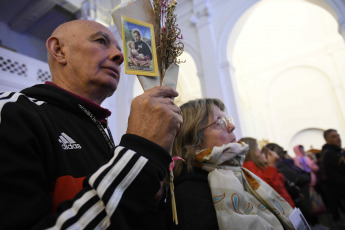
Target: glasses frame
point(227, 121)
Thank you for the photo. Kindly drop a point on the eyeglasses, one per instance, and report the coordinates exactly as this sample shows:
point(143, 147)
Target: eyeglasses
point(223, 122)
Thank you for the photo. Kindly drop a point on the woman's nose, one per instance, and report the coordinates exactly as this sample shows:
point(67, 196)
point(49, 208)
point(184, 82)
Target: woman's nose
point(231, 127)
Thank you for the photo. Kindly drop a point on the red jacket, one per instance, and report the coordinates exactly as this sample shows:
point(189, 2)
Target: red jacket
point(271, 176)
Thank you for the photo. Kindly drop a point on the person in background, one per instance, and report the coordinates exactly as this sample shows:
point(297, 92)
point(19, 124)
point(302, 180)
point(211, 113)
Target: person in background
point(264, 165)
point(297, 184)
point(60, 168)
point(297, 180)
point(334, 167)
point(212, 191)
point(305, 163)
point(321, 184)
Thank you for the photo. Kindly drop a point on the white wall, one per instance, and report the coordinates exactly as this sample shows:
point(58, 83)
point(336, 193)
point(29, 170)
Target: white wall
point(263, 89)
point(287, 74)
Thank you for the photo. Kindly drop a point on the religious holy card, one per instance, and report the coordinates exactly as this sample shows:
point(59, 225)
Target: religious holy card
point(139, 47)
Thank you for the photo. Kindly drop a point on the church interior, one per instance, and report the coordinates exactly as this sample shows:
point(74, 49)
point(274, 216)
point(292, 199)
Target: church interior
point(278, 65)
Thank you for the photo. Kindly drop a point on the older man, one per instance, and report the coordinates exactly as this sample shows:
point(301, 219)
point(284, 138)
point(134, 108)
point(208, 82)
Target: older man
point(334, 168)
point(55, 146)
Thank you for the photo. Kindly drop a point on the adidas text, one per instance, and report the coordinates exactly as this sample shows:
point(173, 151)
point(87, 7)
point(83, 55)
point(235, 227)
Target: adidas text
point(71, 146)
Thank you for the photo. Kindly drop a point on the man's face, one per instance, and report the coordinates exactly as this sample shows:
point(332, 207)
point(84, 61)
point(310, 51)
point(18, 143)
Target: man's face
point(93, 57)
point(333, 138)
point(136, 37)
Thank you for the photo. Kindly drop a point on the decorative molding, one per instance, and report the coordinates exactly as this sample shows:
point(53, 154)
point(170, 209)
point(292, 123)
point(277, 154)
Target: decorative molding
point(225, 64)
point(229, 26)
point(341, 21)
point(15, 65)
point(201, 15)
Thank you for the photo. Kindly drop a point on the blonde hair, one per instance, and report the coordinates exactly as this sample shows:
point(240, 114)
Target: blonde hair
point(130, 43)
point(196, 114)
point(251, 154)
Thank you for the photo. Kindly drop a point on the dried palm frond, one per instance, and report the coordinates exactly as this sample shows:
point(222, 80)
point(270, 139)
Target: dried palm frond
point(168, 35)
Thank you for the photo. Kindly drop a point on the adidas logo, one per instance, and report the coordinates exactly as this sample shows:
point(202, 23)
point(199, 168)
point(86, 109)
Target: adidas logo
point(67, 142)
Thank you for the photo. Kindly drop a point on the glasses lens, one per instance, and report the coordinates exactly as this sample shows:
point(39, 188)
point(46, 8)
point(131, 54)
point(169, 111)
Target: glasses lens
point(222, 123)
point(225, 122)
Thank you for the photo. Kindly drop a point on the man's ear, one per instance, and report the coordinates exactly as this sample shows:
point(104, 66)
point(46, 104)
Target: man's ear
point(55, 50)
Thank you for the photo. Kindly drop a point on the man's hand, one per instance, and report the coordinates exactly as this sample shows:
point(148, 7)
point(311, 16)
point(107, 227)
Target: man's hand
point(156, 117)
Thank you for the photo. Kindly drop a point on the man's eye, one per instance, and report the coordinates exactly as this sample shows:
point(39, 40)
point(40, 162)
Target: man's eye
point(102, 41)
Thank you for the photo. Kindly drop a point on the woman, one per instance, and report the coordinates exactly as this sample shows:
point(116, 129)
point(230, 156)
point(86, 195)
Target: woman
point(263, 164)
point(211, 189)
point(298, 180)
point(305, 163)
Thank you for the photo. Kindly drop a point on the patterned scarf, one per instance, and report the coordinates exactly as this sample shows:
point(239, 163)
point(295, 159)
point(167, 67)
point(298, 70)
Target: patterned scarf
point(241, 199)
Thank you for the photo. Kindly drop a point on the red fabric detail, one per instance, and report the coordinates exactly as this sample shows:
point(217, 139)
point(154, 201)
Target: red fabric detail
point(100, 113)
point(66, 187)
point(272, 177)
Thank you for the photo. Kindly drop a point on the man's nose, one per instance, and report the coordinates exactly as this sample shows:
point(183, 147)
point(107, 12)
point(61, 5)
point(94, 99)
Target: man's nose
point(116, 55)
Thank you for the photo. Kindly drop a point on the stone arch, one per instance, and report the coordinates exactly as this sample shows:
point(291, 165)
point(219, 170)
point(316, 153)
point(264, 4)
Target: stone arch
point(232, 27)
point(271, 81)
point(189, 79)
point(232, 30)
point(189, 48)
point(300, 101)
point(308, 137)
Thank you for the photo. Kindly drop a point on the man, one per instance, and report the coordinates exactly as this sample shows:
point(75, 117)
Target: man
point(141, 46)
point(54, 146)
point(334, 168)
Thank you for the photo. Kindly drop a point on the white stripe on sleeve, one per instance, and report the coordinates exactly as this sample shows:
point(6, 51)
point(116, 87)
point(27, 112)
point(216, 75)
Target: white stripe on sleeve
point(112, 204)
point(71, 212)
point(114, 172)
point(88, 216)
point(116, 197)
point(101, 169)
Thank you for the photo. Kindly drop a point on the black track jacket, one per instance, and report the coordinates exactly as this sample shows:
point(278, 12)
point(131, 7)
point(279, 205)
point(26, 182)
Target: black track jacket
point(51, 151)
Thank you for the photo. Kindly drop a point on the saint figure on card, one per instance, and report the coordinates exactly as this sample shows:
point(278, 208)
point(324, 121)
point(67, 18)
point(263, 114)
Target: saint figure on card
point(141, 46)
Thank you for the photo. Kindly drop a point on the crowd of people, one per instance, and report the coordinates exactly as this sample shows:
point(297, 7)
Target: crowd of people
point(60, 167)
point(313, 181)
point(214, 172)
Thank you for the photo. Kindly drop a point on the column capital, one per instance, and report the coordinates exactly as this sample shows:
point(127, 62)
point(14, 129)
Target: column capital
point(201, 14)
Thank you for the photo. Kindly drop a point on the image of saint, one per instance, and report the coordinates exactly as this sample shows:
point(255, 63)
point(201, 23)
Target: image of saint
point(139, 46)
point(140, 54)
